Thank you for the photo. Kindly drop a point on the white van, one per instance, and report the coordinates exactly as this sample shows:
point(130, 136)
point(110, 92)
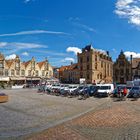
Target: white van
point(104, 90)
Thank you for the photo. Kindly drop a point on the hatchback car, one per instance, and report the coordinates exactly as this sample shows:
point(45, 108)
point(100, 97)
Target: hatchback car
point(134, 92)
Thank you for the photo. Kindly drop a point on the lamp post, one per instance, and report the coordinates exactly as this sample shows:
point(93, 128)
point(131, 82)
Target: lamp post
point(131, 57)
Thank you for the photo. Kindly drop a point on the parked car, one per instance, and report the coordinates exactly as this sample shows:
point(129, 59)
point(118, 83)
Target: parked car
point(104, 90)
point(64, 90)
point(91, 90)
point(77, 91)
point(134, 92)
point(117, 90)
point(68, 90)
point(55, 88)
point(41, 88)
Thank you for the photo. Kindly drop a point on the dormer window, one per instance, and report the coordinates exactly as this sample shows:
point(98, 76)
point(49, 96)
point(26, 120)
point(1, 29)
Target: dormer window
point(17, 65)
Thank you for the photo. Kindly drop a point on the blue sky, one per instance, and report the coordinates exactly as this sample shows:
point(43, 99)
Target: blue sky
point(57, 29)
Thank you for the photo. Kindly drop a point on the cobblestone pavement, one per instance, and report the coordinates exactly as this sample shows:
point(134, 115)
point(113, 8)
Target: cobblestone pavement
point(29, 112)
point(109, 121)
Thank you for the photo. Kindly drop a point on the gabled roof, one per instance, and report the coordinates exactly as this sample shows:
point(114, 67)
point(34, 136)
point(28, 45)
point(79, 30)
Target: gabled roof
point(9, 62)
point(26, 63)
point(40, 64)
point(63, 68)
point(69, 67)
point(135, 62)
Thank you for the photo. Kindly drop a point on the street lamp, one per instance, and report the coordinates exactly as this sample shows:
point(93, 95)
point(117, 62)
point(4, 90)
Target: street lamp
point(131, 57)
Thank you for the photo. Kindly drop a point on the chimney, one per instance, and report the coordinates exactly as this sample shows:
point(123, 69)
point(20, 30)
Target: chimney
point(107, 52)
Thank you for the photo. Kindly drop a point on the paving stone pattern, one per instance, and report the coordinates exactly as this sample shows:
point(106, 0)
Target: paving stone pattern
point(29, 112)
point(109, 121)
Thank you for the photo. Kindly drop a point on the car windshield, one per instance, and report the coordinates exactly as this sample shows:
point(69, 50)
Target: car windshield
point(128, 87)
point(104, 87)
point(135, 88)
point(81, 87)
point(121, 87)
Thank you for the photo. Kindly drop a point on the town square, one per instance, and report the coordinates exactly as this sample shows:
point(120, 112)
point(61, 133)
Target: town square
point(69, 70)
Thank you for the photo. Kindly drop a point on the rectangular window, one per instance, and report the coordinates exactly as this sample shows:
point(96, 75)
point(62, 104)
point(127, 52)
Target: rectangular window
point(22, 72)
point(43, 73)
point(1, 72)
point(87, 58)
point(81, 60)
point(6, 72)
point(29, 72)
point(12, 72)
point(17, 72)
point(96, 66)
point(88, 76)
point(36, 72)
point(101, 64)
point(95, 57)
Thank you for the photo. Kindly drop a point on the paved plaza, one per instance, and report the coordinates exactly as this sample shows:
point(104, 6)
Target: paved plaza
point(28, 112)
point(36, 116)
point(109, 121)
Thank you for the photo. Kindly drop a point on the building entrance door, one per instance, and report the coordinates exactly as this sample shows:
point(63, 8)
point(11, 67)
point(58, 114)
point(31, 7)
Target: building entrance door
point(122, 80)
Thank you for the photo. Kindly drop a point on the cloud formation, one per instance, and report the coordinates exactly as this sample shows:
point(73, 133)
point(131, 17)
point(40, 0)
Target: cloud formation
point(20, 45)
point(76, 22)
point(67, 59)
point(12, 56)
point(74, 49)
point(25, 54)
point(134, 55)
point(130, 10)
point(27, 1)
point(33, 32)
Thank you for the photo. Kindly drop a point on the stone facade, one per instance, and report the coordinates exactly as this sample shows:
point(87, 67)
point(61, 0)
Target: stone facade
point(19, 72)
point(122, 69)
point(136, 68)
point(95, 66)
point(69, 74)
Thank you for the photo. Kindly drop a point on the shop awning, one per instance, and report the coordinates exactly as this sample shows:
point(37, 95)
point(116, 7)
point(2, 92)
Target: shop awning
point(4, 78)
point(34, 78)
point(18, 78)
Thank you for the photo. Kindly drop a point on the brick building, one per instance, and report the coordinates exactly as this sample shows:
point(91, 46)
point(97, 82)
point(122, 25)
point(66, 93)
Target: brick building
point(95, 65)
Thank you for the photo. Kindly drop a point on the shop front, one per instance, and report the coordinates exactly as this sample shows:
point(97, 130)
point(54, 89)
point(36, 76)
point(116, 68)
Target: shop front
point(17, 80)
point(33, 81)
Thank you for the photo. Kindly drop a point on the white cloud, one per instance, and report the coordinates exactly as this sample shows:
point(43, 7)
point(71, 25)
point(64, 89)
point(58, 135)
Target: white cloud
point(33, 32)
point(25, 54)
point(86, 27)
point(14, 47)
point(130, 10)
point(134, 55)
point(101, 51)
point(69, 59)
point(76, 21)
point(3, 44)
point(27, 1)
point(74, 49)
point(12, 56)
point(20, 45)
